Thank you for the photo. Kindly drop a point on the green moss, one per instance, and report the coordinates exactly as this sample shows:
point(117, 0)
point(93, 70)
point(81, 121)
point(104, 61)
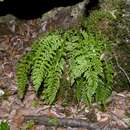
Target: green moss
point(99, 21)
point(115, 7)
point(54, 121)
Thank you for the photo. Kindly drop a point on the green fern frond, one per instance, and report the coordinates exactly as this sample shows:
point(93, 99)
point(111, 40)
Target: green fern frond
point(23, 69)
point(52, 81)
point(44, 57)
point(106, 83)
point(22, 72)
point(80, 83)
point(81, 57)
point(85, 62)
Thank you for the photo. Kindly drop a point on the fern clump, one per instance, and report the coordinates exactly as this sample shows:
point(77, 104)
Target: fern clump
point(45, 64)
point(84, 51)
point(89, 73)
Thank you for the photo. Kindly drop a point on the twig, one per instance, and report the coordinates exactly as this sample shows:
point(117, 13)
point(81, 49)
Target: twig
point(63, 122)
point(118, 65)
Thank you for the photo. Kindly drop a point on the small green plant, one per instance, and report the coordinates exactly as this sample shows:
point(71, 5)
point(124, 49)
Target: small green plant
point(29, 124)
point(84, 51)
point(4, 125)
point(90, 73)
point(53, 120)
point(45, 63)
point(100, 21)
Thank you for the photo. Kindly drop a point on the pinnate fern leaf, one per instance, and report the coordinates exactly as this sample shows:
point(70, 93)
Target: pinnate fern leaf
point(52, 81)
point(22, 72)
point(85, 62)
point(104, 89)
point(81, 50)
point(44, 58)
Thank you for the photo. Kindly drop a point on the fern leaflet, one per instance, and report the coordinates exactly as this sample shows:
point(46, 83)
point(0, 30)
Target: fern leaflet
point(44, 57)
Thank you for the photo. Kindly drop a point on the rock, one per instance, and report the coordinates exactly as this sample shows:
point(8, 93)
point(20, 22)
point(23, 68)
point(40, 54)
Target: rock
point(33, 10)
point(1, 92)
point(5, 24)
point(128, 2)
point(64, 17)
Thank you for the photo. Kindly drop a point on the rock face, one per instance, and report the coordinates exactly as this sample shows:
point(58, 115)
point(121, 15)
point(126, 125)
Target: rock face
point(57, 17)
point(63, 16)
point(32, 9)
point(128, 2)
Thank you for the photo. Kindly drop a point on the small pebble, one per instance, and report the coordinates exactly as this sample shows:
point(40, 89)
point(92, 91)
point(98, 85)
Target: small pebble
point(1, 92)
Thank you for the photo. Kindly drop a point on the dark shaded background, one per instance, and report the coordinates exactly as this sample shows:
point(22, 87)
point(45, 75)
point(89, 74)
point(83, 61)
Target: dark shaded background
point(30, 9)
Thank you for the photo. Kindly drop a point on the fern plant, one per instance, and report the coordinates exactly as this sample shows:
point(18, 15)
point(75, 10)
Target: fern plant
point(83, 50)
point(41, 62)
point(88, 72)
point(45, 58)
point(22, 73)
